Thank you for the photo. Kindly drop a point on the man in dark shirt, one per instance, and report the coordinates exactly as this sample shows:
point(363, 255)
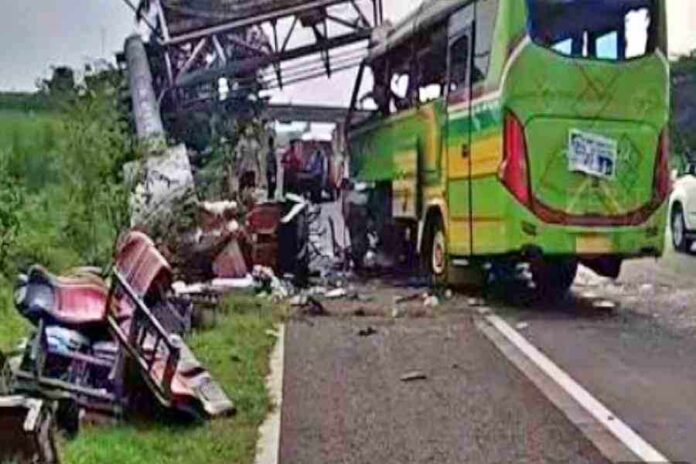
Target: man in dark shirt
point(271, 168)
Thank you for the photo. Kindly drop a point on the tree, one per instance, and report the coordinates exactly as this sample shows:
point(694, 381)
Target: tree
point(61, 87)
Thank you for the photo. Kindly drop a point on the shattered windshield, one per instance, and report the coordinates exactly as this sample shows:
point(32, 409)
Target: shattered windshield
point(606, 30)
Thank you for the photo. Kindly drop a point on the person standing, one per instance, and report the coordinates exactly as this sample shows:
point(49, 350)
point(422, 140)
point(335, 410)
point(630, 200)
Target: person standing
point(271, 168)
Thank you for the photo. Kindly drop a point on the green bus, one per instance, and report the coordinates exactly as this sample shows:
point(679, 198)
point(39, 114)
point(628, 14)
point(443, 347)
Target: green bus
point(487, 133)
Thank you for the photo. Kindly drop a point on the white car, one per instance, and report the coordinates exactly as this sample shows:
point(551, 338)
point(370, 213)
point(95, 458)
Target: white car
point(683, 211)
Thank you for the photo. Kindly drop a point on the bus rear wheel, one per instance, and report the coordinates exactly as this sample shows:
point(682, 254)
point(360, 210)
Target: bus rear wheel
point(553, 277)
point(436, 259)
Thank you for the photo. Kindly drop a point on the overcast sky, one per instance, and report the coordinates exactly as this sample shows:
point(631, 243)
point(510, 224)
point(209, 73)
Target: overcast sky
point(36, 34)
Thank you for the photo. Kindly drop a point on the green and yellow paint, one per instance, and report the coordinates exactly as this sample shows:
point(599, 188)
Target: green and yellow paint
point(458, 142)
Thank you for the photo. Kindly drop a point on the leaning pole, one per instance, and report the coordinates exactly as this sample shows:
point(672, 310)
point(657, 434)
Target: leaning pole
point(161, 180)
point(148, 121)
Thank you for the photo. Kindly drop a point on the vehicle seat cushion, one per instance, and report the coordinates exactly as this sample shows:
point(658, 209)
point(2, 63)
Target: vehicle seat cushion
point(75, 301)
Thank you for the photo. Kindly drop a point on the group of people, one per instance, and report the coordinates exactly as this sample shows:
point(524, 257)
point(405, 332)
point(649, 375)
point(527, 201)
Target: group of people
point(302, 175)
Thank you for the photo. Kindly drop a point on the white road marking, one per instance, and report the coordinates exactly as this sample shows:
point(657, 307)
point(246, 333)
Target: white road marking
point(601, 413)
point(268, 446)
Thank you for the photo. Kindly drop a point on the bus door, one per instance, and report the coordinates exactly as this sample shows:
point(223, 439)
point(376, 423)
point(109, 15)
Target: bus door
point(458, 131)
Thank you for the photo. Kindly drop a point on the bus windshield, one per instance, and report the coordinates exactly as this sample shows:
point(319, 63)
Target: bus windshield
point(613, 30)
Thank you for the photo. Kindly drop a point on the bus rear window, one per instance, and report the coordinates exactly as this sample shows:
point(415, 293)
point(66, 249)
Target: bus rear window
point(614, 30)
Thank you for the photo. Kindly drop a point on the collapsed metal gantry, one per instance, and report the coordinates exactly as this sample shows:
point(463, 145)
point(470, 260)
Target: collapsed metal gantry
point(253, 45)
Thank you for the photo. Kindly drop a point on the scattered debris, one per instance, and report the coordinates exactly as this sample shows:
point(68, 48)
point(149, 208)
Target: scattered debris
point(27, 431)
point(604, 305)
point(413, 376)
point(360, 312)
point(475, 302)
point(483, 310)
point(314, 308)
point(647, 288)
point(298, 300)
point(89, 326)
point(317, 291)
point(431, 302)
point(408, 298)
point(367, 332)
point(269, 284)
point(166, 182)
point(522, 325)
point(336, 293)
point(230, 264)
point(397, 312)
point(215, 286)
point(589, 295)
point(449, 294)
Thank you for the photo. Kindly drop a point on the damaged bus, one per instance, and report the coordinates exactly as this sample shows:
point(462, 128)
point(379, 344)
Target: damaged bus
point(488, 133)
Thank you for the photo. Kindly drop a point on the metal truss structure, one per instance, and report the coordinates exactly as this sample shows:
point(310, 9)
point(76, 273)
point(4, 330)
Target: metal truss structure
point(201, 49)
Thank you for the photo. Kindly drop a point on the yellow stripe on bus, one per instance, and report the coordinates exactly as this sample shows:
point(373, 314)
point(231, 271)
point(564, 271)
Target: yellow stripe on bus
point(486, 156)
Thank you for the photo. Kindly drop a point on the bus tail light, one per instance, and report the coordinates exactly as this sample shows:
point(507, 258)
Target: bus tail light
point(514, 172)
point(662, 180)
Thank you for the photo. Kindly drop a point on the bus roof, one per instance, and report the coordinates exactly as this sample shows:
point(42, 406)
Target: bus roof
point(429, 13)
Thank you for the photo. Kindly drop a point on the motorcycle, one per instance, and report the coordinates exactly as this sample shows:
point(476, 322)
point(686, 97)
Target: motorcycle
point(90, 336)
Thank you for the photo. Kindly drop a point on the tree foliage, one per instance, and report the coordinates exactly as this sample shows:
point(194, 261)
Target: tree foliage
point(11, 200)
point(95, 144)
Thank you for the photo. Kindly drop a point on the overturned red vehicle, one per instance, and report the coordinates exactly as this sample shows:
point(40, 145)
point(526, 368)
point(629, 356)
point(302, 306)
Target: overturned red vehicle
point(92, 337)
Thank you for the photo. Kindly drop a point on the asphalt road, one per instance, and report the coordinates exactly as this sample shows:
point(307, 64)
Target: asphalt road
point(638, 359)
point(344, 400)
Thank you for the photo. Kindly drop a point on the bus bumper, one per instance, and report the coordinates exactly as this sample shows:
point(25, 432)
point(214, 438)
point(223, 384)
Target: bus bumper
point(528, 234)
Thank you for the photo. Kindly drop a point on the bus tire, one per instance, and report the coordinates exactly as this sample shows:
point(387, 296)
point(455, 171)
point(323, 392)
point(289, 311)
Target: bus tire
point(435, 258)
point(356, 222)
point(302, 257)
point(681, 242)
point(553, 277)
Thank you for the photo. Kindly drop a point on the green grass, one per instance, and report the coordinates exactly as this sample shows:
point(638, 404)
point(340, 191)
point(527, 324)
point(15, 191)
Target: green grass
point(27, 151)
point(28, 141)
point(33, 149)
point(236, 352)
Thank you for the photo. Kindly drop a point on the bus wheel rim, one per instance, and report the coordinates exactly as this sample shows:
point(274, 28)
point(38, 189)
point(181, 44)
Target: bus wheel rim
point(438, 258)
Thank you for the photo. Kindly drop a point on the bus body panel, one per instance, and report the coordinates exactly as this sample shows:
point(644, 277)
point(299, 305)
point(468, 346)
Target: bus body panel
point(551, 95)
point(625, 102)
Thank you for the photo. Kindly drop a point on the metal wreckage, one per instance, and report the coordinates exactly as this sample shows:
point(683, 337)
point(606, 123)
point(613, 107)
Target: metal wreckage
point(106, 343)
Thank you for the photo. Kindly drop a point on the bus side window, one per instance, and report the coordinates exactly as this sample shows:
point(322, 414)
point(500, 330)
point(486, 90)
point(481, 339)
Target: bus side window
point(459, 63)
point(486, 16)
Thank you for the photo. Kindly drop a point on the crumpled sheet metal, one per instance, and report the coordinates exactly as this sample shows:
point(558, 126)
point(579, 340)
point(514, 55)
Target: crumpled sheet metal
point(26, 431)
point(165, 183)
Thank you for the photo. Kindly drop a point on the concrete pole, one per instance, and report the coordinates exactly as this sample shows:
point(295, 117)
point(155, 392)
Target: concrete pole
point(148, 120)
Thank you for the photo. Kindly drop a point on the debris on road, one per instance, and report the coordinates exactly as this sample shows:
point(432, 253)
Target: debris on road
point(367, 332)
point(483, 310)
point(397, 312)
point(647, 288)
point(336, 293)
point(604, 305)
point(408, 298)
point(314, 308)
point(413, 376)
point(522, 325)
point(589, 295)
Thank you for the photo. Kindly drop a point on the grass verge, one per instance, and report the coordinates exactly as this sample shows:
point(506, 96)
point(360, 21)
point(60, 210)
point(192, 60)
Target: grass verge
point(236, 352)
